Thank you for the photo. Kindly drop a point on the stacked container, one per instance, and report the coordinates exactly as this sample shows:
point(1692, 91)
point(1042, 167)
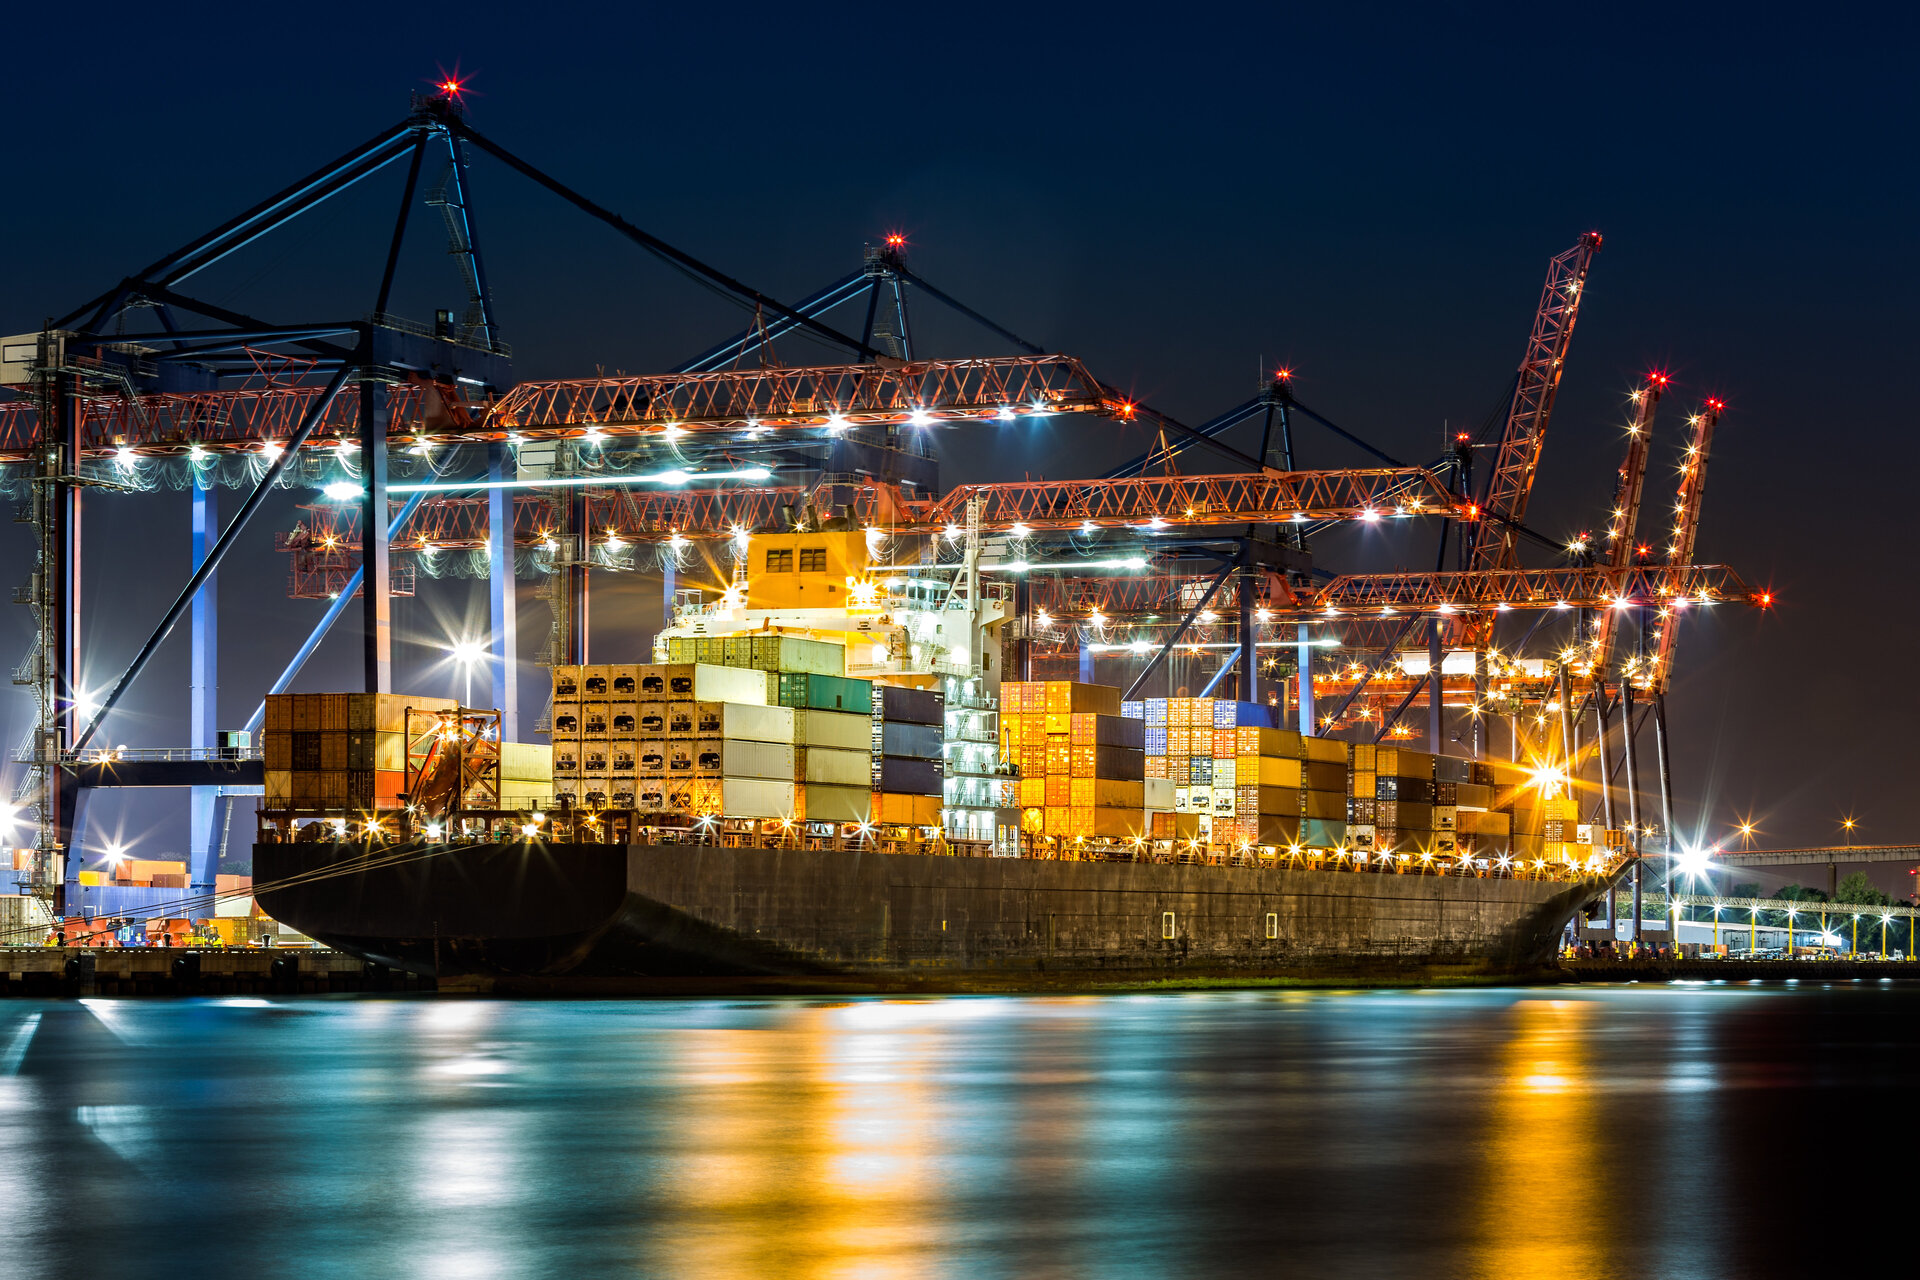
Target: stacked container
point(908, 741)
point(833, 752)
point(339, 751)
point(1082, 764)
point(1269, 772)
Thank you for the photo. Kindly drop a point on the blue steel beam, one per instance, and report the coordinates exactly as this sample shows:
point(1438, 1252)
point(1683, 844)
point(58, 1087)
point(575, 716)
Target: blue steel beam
point(205, 696)
point(198, 254)
point(503, 635)
point(472, 264)
point(752, 339)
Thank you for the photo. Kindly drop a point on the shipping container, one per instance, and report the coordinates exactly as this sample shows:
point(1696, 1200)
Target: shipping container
point(1106, 793)
point(1174, 826)
point(594, 720)
point(743, 721)
point(1328, 805)
point(1283, 801)
point(843, 730)
point(825, 693)
point(834, 767)
point(907, 741)
point(1325, 750)
point(1068, 696)
point(907, 777)
point(1107, 731)
point(906, 810)
point(821, 803)
point(910, 706)
point(736, 758)
point(1233, 715)
point(1157, 793)
point(743, 797)
point(701, 682)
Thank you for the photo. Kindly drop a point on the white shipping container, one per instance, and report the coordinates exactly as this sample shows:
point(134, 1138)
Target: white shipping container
point(1222, 774)
point(233, 908)
point(703, 682)
point(1160, 795)
point(727, 757)
point(846, 731)
point(24, 920)
point(838, 804)
point(745, 721)
point(838, 768)
point(527, 761)
point(752, 797)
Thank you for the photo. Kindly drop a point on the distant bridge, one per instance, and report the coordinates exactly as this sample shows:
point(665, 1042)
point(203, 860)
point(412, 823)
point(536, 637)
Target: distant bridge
point(1821, 857)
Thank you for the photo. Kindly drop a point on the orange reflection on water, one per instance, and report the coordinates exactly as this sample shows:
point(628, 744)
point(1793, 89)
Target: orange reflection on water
point(1542, 1203)
point(801, 1150)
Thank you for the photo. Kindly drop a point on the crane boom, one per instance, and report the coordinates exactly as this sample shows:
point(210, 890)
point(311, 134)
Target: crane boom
point(1686, 530)
point(1624, 516)
point(1511, 479)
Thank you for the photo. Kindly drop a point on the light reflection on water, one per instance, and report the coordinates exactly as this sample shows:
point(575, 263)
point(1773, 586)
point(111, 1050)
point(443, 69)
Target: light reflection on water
point(1568, 1132)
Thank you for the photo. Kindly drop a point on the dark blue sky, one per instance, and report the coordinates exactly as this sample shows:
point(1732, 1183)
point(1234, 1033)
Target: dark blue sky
point(1174, 195)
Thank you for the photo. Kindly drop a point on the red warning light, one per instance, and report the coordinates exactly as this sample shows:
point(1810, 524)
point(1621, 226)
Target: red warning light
point(1282, 375)
point(895, 240)
point(1766, 599)
point(1643, 550)
point(1659, 379)
point(1716, 405)
point(1460, 436)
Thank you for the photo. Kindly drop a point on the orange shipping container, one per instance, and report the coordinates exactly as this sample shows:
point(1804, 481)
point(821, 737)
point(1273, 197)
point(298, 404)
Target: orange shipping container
point(904, 810)
point(1225, 744)
point(1033, 793)
point(1081, 761)
point(1156, 766)
point(1059, 754)
point(1068, 696)
point(1059, 790)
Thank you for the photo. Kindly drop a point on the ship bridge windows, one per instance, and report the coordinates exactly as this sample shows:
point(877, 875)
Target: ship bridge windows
point(813, 559)
point(780, 561)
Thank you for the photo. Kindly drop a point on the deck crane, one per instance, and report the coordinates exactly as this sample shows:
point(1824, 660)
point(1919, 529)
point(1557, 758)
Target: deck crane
point(1511, 480)
point(1624, 516)
point(1686, 530)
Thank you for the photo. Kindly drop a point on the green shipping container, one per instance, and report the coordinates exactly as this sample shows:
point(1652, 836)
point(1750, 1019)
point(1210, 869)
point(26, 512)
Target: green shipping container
point(826, 693)
point(1322, 833)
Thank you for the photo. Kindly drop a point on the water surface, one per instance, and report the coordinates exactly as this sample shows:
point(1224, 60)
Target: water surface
point(1579, 1132)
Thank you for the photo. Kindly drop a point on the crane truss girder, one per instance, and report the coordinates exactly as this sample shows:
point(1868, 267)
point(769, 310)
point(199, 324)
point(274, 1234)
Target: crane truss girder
point(918, 393)
point(1511, 480)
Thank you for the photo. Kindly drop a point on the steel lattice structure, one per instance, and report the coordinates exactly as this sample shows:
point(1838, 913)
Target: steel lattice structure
point(1511, 480)
point(918, 393)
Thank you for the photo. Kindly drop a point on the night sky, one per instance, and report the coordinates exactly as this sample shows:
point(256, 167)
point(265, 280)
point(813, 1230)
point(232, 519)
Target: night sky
point(1181, 200)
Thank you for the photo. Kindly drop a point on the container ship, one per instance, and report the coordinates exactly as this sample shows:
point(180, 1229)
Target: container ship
point(822, 781)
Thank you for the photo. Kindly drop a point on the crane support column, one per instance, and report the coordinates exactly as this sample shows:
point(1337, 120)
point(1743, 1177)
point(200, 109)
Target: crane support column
point(1479, 704)
point(1249, 642)
point(204, 699)
point(376, 607)
point(1305, 651)
point(1606, 772)
point(1665, 762)
point(1436, 714)
point(503, 604)
point(576, 579)
point(1633, 797)
point(1566, 725)
point(1086, 662)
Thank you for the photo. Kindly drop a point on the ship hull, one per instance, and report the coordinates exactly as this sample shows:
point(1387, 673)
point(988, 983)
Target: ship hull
point(599, 917)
